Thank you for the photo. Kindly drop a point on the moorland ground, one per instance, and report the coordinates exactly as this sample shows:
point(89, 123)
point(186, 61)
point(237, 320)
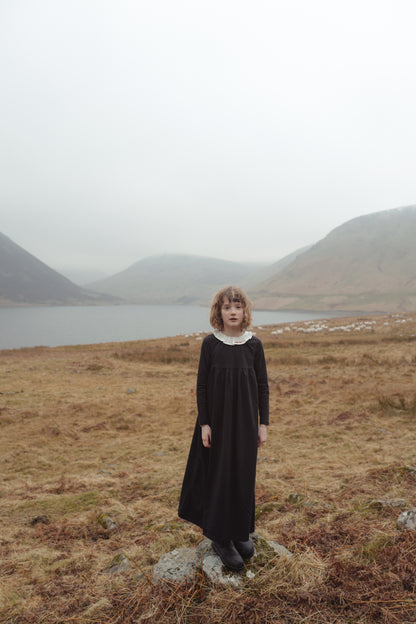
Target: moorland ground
point(106, 428)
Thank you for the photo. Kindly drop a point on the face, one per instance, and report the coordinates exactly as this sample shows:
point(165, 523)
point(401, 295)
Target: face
point(232, 313)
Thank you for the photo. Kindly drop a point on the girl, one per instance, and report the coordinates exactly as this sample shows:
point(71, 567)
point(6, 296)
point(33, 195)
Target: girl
point(232, 391)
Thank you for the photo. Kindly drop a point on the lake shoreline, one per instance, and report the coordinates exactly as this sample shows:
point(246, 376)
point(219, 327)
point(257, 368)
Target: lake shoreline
point(72, 325)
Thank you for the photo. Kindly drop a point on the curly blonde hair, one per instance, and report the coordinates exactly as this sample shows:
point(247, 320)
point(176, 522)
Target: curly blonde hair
point(233, 294)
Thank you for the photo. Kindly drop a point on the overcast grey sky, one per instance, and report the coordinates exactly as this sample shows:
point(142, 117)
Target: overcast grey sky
point(230, 128)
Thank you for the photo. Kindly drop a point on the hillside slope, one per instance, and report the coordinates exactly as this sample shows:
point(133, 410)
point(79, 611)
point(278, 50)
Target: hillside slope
point(366, 264)
point(176, 279)
point(25, 280)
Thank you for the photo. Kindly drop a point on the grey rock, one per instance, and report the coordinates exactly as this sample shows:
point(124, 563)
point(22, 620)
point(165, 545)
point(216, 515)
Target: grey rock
point(406, 469)
point(107, 522)
point(181, 565)
point(216, 574)
point(407, 520)
point(130, 390)
point(266, 508)
point(120, 563)
point(383, 503)
point(178, 566)
point(280, 550)
point(169, 526)
point(205, 548)
point(295, 498)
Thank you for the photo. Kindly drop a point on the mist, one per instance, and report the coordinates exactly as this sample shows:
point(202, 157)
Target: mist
point(219, 129)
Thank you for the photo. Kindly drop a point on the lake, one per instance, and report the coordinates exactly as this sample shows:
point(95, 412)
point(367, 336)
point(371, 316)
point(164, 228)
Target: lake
point(67, 325)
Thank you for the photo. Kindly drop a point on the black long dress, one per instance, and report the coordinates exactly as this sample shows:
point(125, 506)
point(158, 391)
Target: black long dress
point(232, 391)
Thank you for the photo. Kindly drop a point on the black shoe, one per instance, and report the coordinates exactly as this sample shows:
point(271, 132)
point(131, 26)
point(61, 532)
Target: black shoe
point(229, 556)
point(246, 549)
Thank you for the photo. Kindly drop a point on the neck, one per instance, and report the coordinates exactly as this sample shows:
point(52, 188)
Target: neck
point(233, 333)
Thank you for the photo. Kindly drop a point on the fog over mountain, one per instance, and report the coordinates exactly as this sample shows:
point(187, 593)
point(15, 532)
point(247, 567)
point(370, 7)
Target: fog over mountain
point(366, 264)
point(227, 129)
point(176, 278)
point(25, 280)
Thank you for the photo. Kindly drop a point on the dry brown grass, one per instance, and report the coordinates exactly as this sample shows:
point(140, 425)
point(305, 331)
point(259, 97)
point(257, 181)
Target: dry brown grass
point(75, 443)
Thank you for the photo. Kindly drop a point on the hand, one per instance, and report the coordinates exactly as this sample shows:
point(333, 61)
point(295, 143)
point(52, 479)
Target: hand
point(262, 435)
point(206, 435)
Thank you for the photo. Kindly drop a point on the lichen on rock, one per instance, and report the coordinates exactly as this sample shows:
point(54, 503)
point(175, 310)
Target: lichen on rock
point(182, 564)
point(407, 520)
point(107, 522)
point(178, 566)
point(119, 563)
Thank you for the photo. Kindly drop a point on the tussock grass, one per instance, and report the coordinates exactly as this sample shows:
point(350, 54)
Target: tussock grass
point(106, 429)
point(398, 403)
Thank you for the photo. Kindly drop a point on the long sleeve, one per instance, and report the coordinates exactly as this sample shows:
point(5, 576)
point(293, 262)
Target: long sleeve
point(202, 383)
point(262, 384)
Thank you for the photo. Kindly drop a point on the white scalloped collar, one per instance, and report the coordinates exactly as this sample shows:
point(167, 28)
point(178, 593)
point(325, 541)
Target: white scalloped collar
point(233, 340)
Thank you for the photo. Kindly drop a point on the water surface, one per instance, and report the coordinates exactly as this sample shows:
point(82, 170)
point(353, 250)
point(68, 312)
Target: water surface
point(71, 325)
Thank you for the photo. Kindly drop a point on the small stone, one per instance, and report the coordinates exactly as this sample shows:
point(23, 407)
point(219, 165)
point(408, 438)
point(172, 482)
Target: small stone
point(408, 469)
point(107, 522)
point(383, 503)
point(295, 498)
point(265, 508)
point(120, 563)
point(168, 527)
point(130, 390)
point(407, 520)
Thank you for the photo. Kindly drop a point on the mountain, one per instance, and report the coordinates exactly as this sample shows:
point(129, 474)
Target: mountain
point(82, 276)
point(367, 264)
point(271, 270)
point(176, 279)
point(25, 280)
